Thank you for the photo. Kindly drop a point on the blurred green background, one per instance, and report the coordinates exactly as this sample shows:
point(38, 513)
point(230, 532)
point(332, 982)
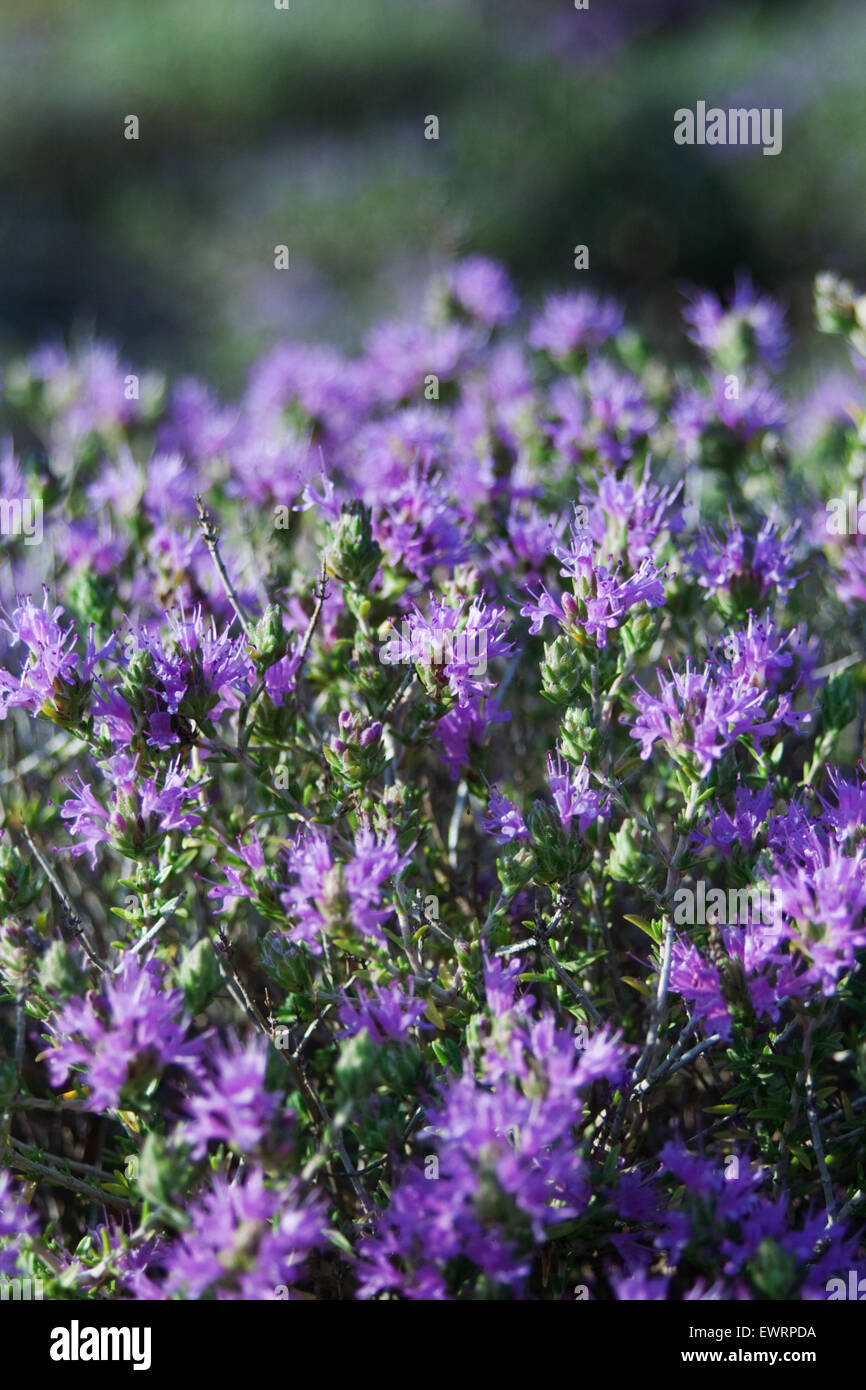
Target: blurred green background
point(305, 126)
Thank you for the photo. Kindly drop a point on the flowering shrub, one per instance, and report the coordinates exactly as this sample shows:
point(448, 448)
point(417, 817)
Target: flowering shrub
point(393, 708)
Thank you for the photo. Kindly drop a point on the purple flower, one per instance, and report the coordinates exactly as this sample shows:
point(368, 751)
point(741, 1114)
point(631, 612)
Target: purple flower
point(572, 795)
point(123, 1037)
point(639, 1286)
point(503, 820)
point(609, 413)
point(142, 812)
point(327, 894)
point(17, 1222)
point(252, 856)
point(232, 1106)
point(205, 671)
point(748, 569)
point(417, 527)
point(465, 726)
point(696, 715)
point(452, 647)
point(825, 897)
point(750, 326)
point(401, 355)
point(53, 679)
point(197, 426)
point(697, 980)
point(746, 412)
point(630, 520)
point(600, 599)
point(483, 289)
point(244, 1241)
point(281, 677)
point(574, 322)
point(390, 1013)
point(851, 580)
point(725, 832)
point(506, 1165)
point(847, 819)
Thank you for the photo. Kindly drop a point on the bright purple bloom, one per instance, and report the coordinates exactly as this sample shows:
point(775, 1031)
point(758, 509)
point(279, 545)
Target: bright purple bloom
point(572, 795)
point(245, 1241)
point(608, 413)
point(328, 894)
point(750, 322)
point(388, 1014)
point(142, 812)
point(52, 667)
point(124, 1036)
point(498, 1149)
point(17, 1221)
point(697, 716)
point(483, 289)
point(231, 1106)
point(825, 897)
point(503, 820)
point(725, 832)
point(750, 568)
point(573, 323)
point(452, 647)
point(600, 601)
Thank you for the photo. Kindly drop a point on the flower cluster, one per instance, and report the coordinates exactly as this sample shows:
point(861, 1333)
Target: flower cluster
point(357, 760)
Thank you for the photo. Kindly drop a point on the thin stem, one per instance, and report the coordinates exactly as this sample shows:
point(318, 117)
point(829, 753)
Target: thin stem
point(210, 536)
point(74, 918)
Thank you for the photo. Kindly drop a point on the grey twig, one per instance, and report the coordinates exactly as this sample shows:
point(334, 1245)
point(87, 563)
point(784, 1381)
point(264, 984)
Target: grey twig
point(74, 917)
point(210, 536)
point(25, 1164)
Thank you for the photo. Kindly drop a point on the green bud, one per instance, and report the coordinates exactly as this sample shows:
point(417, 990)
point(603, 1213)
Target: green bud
point(744, 597)
point(358, 1065)
point(835, 303)
point(627, 863)
point(68, 703)
point(160, 1175)
point(270, 643)
point(199, 975)
point(578, 735)
point(515, 867)
point(19, 885)
point(92, 597)
point(774, 1271)
point(17, 953)
point(278, 961)
point(357, 754)
point(136, 680)
point(353, 556)
point(557, 855)
point(639, 633)
point(60, 971)
point(839, 701)
point(560, 671)
point(735, 344)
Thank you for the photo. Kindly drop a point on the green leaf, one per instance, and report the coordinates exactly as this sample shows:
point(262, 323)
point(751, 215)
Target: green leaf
point(638, 985)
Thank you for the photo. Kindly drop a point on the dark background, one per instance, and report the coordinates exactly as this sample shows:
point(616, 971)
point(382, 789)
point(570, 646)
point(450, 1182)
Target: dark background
point(261, 126)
